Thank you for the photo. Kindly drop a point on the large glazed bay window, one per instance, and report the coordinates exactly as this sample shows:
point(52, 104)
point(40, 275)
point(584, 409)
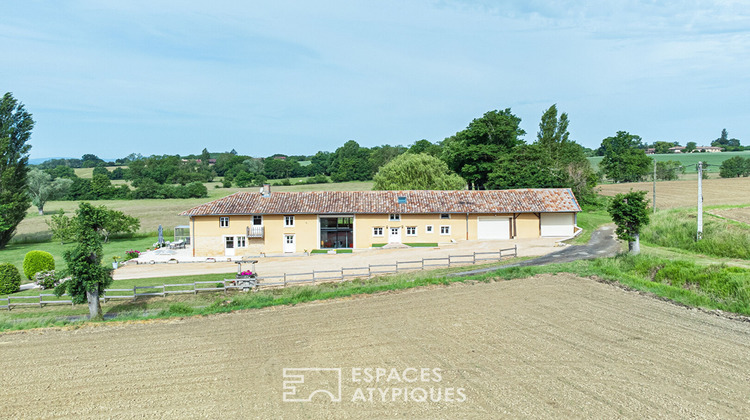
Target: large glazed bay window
point(337, 232)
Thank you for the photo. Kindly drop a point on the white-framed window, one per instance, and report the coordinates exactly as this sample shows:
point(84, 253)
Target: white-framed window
point(257, 220)
point(229, 242)
point(394, 217)
point(445, 216)
point(241, 241)
point(288, 221)
point(224, 221)
point(428, 229)
point(377, 231)
point(445, 230)
point(411, 231)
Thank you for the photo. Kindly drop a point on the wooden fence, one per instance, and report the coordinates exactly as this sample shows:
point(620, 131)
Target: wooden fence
point(287, 279)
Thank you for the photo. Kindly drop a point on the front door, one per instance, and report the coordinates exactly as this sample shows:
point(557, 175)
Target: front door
point(229, 246)
point(394, 235)
point(290, 245)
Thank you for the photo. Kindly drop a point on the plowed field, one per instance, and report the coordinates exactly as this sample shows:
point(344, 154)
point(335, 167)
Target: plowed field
point(670, 194)
point(550, 346)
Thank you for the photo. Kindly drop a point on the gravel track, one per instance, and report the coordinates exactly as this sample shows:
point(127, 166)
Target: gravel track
point(549, 346)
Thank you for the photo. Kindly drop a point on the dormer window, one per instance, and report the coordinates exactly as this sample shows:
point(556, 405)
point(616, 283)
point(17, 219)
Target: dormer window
point(402, 200)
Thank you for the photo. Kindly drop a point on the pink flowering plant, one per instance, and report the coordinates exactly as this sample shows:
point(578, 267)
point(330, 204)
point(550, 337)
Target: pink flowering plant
point(129, 255)
point(246, 273)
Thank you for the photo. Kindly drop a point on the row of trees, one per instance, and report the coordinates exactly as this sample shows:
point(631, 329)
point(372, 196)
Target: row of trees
point(663, 147)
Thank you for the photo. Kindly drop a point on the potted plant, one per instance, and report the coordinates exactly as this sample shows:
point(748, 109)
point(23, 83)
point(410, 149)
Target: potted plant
point(114, 264)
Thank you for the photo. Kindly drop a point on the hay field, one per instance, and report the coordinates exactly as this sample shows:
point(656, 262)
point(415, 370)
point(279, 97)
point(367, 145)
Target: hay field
point(671, 194)
point(549, 346)
point(152, 213)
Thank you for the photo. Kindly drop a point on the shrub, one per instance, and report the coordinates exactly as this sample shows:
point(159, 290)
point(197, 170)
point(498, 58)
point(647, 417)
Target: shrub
point(36, 261)
point(47, 279)
point(10, 278)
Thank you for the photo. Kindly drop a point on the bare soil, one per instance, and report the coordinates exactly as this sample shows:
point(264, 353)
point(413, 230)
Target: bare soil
point(671, 194)
point(741, 214)
point(549, 346)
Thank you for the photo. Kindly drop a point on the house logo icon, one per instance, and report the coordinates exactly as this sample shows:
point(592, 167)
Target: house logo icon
point(302, 384)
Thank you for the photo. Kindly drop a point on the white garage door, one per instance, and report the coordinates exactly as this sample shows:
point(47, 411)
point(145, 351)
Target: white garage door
point(557, 224)
point(492, 227)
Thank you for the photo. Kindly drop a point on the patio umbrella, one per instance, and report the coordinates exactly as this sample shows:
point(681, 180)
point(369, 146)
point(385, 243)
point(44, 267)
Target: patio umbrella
point(161, 235)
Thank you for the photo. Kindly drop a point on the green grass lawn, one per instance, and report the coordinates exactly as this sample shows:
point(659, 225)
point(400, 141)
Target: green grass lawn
point(15, 252)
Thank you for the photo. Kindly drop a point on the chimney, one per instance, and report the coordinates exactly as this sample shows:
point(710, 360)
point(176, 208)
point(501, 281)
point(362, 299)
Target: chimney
point(266, 190)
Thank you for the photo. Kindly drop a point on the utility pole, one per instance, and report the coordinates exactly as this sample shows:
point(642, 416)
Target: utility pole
point(654, 205)
point(700, 202)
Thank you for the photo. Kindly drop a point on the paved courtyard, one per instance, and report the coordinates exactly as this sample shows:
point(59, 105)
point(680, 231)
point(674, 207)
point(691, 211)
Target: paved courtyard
point(278, 265)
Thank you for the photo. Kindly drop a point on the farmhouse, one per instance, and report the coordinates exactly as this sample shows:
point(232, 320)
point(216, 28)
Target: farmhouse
point(274, 222)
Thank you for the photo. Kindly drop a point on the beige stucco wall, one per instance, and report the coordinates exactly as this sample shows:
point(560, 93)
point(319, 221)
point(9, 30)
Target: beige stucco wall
point(527, 226)
point(208, 237)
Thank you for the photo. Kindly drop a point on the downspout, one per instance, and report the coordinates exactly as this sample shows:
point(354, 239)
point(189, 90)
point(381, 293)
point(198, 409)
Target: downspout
point(192, 232)
point(467, 226)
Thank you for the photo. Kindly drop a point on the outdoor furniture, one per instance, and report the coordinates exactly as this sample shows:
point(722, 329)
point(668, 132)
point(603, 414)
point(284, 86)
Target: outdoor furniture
point(177, 245)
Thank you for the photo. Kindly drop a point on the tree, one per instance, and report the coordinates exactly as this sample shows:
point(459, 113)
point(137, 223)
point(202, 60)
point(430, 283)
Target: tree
point(734, 167)
point(630, 213)
point(116, 222)
point(15, 130)
point(690, 146)
point(668, 170)
point(727, 143)
point(526, 166)
point(417, 172)
point(473, 152)
point(90, 161)
point(623, 161)
point(350, 163)
point(424, 146)
point(566, 161)
point(553, 132)
point(61, 227)
point(88, 277)
point(662, 147)
point(42, 188)
point(381, 155)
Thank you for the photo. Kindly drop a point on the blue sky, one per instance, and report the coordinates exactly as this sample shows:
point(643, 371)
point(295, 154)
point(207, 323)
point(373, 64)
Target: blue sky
point(292, 77)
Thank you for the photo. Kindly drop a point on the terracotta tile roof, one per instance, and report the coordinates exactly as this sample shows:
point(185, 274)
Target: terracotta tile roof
point(383, 202)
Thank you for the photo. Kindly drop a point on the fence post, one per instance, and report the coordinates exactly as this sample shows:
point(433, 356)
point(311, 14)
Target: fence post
point(313, 277)
point(515, 250)
point(369, 271)
point(134, 294)
point(342, 273)
point(422, 263)
point(195, 288)
point(284, 279)
point(474, 258)
point(40, 300)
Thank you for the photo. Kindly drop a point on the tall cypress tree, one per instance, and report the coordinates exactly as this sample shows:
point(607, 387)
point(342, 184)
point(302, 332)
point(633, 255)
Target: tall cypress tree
point(15, 130)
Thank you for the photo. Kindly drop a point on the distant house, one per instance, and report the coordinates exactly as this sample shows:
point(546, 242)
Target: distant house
point(210, 161)
point(288, 222)
point(708, 149)
point(650, 151)
point(677, 149)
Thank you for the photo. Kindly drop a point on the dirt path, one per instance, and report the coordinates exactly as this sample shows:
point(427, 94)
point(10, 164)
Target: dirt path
point(277, 266)
point(550, 346)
